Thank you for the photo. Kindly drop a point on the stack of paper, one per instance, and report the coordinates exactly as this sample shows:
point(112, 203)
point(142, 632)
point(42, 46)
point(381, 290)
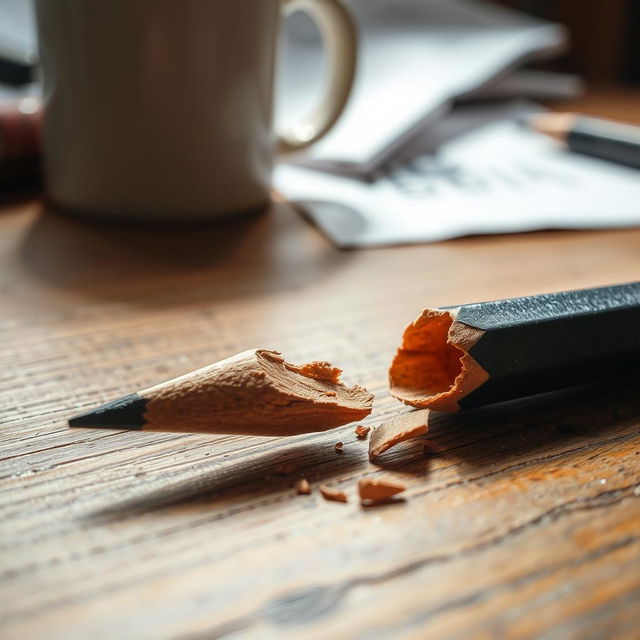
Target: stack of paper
point(482, 172)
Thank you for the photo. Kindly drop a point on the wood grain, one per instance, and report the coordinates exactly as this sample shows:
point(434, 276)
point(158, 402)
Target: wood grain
point(521, 521)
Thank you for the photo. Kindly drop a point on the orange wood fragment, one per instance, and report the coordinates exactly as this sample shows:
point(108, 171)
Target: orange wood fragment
point(334, 495)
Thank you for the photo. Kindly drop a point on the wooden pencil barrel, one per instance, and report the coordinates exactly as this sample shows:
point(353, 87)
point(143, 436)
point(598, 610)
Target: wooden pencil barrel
point(489, 352)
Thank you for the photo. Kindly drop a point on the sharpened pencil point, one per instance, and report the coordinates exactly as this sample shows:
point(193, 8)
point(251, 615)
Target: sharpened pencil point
point(125, 413)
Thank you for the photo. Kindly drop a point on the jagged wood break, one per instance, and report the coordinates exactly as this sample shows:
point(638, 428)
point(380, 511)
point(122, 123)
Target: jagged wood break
point(472, 355)
point(255, 392)
point(399, 429)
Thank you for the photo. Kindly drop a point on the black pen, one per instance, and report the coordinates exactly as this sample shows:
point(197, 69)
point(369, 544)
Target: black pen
point(603, 139)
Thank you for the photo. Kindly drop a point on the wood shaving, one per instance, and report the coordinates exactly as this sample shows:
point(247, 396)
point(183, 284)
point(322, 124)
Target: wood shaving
point(335, 495)
point(323, 371)
point(401, 428)
point(361, 431)
point(378, 489)
point(302, 487)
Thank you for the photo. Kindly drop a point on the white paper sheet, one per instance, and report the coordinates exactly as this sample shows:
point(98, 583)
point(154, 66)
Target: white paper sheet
point(415, 56)
point(498, 177)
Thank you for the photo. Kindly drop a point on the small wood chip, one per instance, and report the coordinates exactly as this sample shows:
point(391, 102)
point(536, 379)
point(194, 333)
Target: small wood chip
point(302, 487)
point(362, 432)
point(335, 495)
point(338, 446)
point(378, 489)
point(401, 428)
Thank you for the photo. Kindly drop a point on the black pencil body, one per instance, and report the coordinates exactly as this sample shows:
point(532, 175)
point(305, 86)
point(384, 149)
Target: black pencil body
point(541, 343)
point(497, 351)
point(614, 142)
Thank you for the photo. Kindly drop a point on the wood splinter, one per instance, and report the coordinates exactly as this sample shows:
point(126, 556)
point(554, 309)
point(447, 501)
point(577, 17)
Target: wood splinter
point(361, 431)
point(334, 495)
point(399, 429)
point(373, 490)
point(302, 487)
point(255, 392)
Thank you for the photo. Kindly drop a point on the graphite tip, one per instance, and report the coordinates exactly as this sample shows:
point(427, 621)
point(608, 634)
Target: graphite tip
point(125, 413)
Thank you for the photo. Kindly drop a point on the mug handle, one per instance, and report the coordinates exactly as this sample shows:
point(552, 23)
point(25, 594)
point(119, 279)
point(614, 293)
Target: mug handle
point(339, 37)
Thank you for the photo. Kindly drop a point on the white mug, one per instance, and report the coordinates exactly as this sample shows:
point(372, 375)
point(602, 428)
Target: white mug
point(163, 109)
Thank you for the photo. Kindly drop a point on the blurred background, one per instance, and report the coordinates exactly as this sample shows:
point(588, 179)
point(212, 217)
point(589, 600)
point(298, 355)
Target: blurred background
point(417, 60)
point(605, 48)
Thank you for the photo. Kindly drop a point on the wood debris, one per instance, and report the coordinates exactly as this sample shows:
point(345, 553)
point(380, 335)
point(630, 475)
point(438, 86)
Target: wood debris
point(378, 489)
point(302, 487)
point(362, 432)
point(401, 428)
point(338, 446)
point(335, 495)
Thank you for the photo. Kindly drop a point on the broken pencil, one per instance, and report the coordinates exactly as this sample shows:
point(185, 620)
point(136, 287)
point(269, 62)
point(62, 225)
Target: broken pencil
point(255, 392)
point(461, 357)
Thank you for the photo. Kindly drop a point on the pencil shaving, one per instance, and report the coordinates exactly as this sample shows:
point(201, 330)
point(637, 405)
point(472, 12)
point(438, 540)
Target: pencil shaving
point(403, 427)
point(378, 490)
point(302, 487)
point(323, 371)
point(333, 495)
point(362, 432)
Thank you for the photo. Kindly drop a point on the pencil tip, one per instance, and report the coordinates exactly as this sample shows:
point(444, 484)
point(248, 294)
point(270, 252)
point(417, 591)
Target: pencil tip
point(125, 413)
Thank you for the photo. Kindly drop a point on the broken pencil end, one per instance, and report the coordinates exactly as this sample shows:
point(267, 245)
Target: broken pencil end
point(433, 368)
point(255, 392)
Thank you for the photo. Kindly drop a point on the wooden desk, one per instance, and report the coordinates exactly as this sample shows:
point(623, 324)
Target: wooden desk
point(523, 521)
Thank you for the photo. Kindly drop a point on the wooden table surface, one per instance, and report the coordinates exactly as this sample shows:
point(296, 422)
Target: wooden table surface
point(521, 521)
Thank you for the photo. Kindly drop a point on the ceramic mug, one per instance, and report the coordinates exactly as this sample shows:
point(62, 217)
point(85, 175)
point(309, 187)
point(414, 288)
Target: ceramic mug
point(163, 109)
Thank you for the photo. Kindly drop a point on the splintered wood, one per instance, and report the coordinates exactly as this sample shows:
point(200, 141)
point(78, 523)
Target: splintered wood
point(372, 490)
point(362, 432)
point(433, 367)
point(302, 487)
point(403, 427)
point(333, 495)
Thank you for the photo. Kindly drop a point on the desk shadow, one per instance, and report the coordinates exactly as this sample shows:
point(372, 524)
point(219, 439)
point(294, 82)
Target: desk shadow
point(544, 425)
point(177, 264)
point(516, 433)
point(258, 476)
